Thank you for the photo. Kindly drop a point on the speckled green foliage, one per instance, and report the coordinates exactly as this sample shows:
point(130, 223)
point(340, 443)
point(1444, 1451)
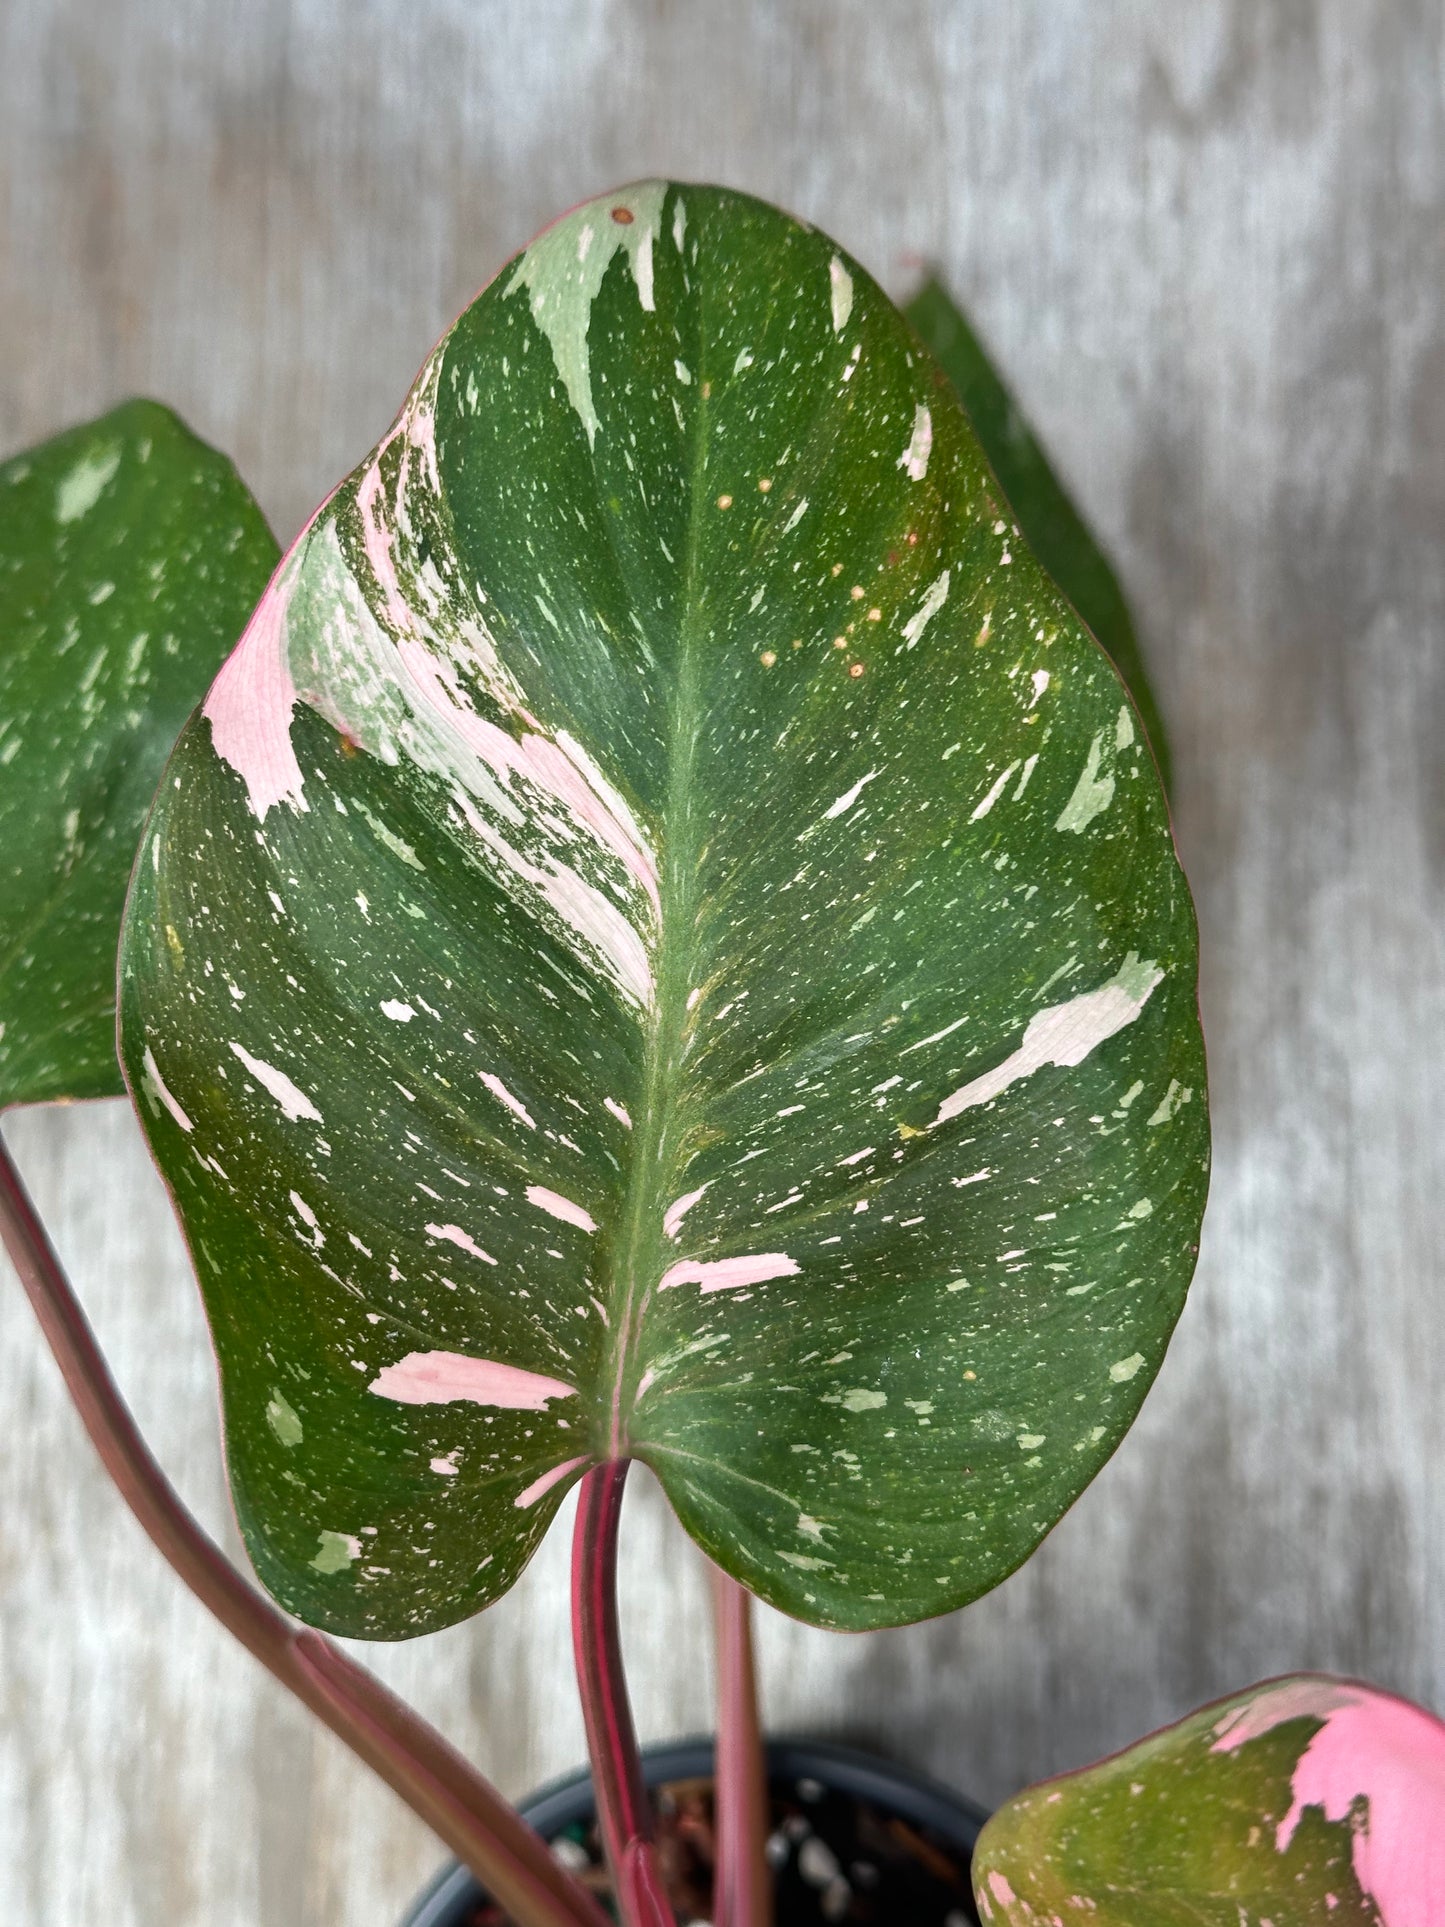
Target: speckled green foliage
point(667, 899)
point(130, 556)
point(1051, 525)
point(1259, 1811)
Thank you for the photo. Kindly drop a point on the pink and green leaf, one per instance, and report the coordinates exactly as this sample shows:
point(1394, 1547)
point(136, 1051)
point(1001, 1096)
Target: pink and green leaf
point(130, 556)
point(665, 941)
point(1304, 1802)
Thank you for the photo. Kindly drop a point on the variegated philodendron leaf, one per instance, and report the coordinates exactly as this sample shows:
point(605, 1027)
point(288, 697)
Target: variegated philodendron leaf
point(130, 557)
point(665, 941)
point(1051, 525)
point(1299, 1803)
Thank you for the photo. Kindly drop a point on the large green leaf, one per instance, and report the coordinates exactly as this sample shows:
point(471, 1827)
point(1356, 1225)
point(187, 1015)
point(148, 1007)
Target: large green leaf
point(1301, 1802)
point(130, 557)
point(666, 941)
point(1051, 525)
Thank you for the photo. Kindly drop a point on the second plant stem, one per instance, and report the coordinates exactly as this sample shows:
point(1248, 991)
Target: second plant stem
point(743, 1883)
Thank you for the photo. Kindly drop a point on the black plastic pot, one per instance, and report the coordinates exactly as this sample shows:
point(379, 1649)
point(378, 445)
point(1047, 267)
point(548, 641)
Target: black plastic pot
point(818, 1784)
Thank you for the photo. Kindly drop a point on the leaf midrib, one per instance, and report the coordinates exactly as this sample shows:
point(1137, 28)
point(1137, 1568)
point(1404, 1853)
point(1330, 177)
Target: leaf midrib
point(641, 1244)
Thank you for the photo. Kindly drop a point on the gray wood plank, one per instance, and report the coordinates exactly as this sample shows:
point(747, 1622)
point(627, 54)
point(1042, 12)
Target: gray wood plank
point(1204, 239)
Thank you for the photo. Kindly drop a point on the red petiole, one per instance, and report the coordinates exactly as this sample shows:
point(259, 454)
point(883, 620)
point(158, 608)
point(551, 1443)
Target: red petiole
point(624, 1813)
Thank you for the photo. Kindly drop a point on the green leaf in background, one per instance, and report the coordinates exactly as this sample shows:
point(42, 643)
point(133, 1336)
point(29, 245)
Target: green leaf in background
point(1301, 1802)
point(130, 557)
point(665, 941)
point(1051, 524)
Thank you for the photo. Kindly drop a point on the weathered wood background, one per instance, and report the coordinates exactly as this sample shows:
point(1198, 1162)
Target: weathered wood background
point(1205, 240)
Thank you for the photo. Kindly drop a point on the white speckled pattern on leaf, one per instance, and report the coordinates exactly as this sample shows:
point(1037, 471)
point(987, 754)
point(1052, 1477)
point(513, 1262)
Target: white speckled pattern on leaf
point(580, 958)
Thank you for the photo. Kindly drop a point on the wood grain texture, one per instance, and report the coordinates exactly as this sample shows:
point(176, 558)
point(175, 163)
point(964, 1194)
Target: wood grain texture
point(1203, 239)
